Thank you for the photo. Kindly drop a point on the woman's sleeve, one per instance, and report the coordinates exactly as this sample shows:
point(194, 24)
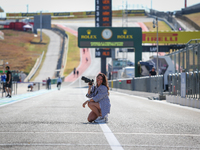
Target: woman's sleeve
point(92, 92)
point(102, 92)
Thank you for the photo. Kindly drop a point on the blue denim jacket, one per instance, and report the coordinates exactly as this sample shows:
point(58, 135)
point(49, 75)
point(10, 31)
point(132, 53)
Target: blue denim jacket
point(100, 95)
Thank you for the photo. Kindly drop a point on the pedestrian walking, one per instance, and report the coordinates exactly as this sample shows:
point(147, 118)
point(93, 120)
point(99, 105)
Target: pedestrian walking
point(59, 82)
point(8, 86)
point(74, 72)
point(77, 72)
point(49, 83)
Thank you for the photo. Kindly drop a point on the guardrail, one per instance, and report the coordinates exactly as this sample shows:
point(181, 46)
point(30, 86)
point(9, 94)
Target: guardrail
point(54, 81)
point(63, 51)
point(35, 68)
point(184, 89)
point(188, 58)
point(168, 18)
point(153, 84)
point(14, 88)
point(192, 89)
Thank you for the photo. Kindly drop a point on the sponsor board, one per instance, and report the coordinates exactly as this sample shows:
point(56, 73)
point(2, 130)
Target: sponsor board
point(104, 6)
point(108, 37)
point(170, 37)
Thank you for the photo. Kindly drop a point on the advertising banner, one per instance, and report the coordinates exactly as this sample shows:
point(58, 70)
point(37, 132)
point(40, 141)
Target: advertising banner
point(170, 37)
point(109, 37)
point(61, 14)
point(142, 11)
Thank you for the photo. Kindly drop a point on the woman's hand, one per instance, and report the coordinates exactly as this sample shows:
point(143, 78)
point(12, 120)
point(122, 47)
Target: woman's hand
point(89, 88)
point(90, 85)
point(85, 104)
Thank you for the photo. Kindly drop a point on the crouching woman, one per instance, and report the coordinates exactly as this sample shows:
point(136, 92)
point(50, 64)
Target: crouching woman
point(99, 102)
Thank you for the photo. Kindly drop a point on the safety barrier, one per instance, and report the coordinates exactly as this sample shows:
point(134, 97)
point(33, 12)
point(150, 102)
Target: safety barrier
point(63, 50)
point(153, 84)
point(54, 81)
point(167, 18)
point(188, 58)
point(184, 89)
point(35, 68)
point(14, 88)
point(192, 89)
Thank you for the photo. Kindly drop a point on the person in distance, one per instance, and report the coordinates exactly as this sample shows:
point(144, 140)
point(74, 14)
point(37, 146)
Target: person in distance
point(152, 72)
point(99, 102)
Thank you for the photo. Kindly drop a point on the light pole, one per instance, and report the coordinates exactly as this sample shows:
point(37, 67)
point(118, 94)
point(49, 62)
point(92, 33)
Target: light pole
point(27, 8)
point(155, 24)
point(159, 87)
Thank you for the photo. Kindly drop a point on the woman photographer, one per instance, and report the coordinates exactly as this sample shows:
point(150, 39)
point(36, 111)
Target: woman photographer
point(99, 102)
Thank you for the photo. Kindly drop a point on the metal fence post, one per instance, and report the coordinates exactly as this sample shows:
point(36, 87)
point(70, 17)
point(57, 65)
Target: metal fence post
point(187, 59)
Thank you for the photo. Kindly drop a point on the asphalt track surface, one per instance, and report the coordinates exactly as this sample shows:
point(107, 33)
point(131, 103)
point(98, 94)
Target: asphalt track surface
point(55, 119)
point(49, 65)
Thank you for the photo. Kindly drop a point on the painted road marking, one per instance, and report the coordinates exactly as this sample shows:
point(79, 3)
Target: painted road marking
point(17, 98)
point(126, 145)
point(158, 101)
point(119, 133)
point(112, 140)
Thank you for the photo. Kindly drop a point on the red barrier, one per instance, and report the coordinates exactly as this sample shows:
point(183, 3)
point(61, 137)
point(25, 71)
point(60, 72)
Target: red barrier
point(17, 25)
point(6, 26)
point(12, 25)
point(128, 81)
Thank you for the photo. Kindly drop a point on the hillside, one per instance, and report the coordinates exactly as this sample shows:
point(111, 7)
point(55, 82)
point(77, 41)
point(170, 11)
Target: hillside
point(21, 49)
point(162, 26)
point(195, 17)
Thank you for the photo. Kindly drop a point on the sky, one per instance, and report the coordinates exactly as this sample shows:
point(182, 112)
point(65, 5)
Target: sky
point(16, 6)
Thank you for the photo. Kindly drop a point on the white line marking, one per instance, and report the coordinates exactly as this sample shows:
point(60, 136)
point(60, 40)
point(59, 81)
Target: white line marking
point(21, 97)
point(107, 131)
point(160, 101)
point(112, 140)
point(69, 144)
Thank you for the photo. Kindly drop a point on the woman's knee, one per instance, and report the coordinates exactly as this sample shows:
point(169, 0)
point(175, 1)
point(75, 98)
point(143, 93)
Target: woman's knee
point(90, 120)
point(90, 104)
point(92, 116)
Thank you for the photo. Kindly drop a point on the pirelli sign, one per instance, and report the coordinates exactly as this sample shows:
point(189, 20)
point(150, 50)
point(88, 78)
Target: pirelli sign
point(170, 37)
point(109, 37)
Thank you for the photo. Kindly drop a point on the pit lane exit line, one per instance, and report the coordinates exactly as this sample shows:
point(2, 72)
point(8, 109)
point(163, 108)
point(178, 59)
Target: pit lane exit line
point(17, 98)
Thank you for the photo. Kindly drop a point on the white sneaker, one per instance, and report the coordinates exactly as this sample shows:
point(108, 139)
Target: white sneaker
point(98, 118)
point(106, 118)
point(102, 120)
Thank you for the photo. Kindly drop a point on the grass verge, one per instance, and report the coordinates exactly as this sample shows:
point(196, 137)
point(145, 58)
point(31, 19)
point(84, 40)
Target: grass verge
point(162, 26)
point(195, 17)
point(73, 55)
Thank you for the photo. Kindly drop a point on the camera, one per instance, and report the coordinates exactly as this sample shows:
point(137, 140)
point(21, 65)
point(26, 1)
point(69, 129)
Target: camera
point(87, 80)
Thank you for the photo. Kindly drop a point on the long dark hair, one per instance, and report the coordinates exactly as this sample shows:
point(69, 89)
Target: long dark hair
point(105, 80)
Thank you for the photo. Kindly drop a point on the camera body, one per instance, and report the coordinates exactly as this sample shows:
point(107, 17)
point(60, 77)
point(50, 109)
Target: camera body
point(87, 80)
